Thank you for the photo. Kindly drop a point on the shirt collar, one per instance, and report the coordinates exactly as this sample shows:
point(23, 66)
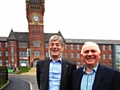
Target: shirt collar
point(94, 69)
point(60, 59)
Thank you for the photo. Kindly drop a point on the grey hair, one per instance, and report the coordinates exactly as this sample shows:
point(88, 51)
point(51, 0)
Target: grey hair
point(57, 37)
point(90, 43)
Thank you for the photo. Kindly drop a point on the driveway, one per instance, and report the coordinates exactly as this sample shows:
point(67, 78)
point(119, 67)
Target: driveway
point(22, 82)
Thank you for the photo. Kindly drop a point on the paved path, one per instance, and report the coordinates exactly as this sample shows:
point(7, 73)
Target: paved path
point(17, 84)
point(22, 82)
point(32, 79)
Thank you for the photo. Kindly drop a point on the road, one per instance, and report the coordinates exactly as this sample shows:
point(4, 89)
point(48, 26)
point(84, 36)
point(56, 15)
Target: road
point(22, 82)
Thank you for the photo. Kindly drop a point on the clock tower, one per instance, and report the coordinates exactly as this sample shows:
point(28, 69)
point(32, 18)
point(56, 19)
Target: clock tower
point(35, 14)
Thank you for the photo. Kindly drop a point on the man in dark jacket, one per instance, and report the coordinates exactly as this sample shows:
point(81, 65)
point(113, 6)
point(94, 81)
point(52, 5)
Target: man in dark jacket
point(54, 73)
point(94, 76)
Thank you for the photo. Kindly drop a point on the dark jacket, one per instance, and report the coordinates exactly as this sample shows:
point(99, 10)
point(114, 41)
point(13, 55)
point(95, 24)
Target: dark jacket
point(42, 74)
point(105, 79)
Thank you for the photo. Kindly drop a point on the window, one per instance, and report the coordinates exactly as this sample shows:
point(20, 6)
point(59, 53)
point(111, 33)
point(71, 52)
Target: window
point(36, 43)
point(6, 62)
point(78, 55)
point(6, 44)
point(25, 53)
point(78, 46)
point(103, 47)
point(0, 53)
point(66, 55)
point(47, 54)
point(78, 63)
point(20, 53)
point(46, 45)
point(11, 42)
point(23, 44)
point(117, 48)
point(20, 62)
point(118, 65)
point(117, 57)
point(110, 56)
point(38, 31)
point(110, 47)
point(0, 62)
point(0, 44)
point(72, 55)
point(110, 65)
point(71, 46)
point(103, 56)
point(65, 46)
point(33, 33)
point(6, 53)
point(12, 55)
point(28, 52)
point(36, 52)
point(104, 63)
point(26, 62)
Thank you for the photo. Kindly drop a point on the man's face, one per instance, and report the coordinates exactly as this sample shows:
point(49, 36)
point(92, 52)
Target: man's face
point(55, 49)
point(90, 55)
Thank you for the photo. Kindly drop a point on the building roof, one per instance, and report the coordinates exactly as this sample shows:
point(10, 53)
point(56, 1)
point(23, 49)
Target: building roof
point(11, 35)
point(48, 35)
point(3, 38)
point(18, 36)
point(98, 41)
point(35, 0)
point(22, 36)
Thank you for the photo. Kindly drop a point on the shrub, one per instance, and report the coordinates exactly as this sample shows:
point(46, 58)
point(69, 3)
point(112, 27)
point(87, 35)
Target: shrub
point(19, 72)
point(3, 76)
point(24, 69)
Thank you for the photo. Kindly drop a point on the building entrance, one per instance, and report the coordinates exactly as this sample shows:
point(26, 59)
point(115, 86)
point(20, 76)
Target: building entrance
point(34, 63)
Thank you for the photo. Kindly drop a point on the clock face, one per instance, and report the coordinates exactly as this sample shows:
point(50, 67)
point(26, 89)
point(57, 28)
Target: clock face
point(35, 18)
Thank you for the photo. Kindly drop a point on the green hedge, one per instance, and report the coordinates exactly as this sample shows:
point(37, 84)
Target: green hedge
point(2, 69)
point(3, 80)
point(24, 69)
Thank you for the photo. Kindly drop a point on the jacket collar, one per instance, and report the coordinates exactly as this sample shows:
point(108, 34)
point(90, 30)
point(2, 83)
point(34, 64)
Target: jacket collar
point(98, 77)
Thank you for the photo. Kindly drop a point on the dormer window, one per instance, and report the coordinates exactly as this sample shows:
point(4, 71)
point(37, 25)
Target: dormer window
point(11, 42)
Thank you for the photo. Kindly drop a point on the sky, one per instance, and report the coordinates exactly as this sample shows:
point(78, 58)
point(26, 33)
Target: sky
point(76, 19)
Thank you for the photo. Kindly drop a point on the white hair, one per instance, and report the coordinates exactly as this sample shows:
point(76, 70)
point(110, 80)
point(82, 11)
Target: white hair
point(90, 43)
point(57, 37)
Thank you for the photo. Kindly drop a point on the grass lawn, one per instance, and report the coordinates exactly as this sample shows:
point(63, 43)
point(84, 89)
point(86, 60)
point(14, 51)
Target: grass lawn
point(2, 81)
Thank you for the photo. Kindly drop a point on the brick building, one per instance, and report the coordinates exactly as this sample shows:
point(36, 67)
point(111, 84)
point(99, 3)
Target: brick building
point(27, 47)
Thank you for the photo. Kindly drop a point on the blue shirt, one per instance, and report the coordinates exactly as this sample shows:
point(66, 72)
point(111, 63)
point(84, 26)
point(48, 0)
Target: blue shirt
point(54, 74)
point(88, 79)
